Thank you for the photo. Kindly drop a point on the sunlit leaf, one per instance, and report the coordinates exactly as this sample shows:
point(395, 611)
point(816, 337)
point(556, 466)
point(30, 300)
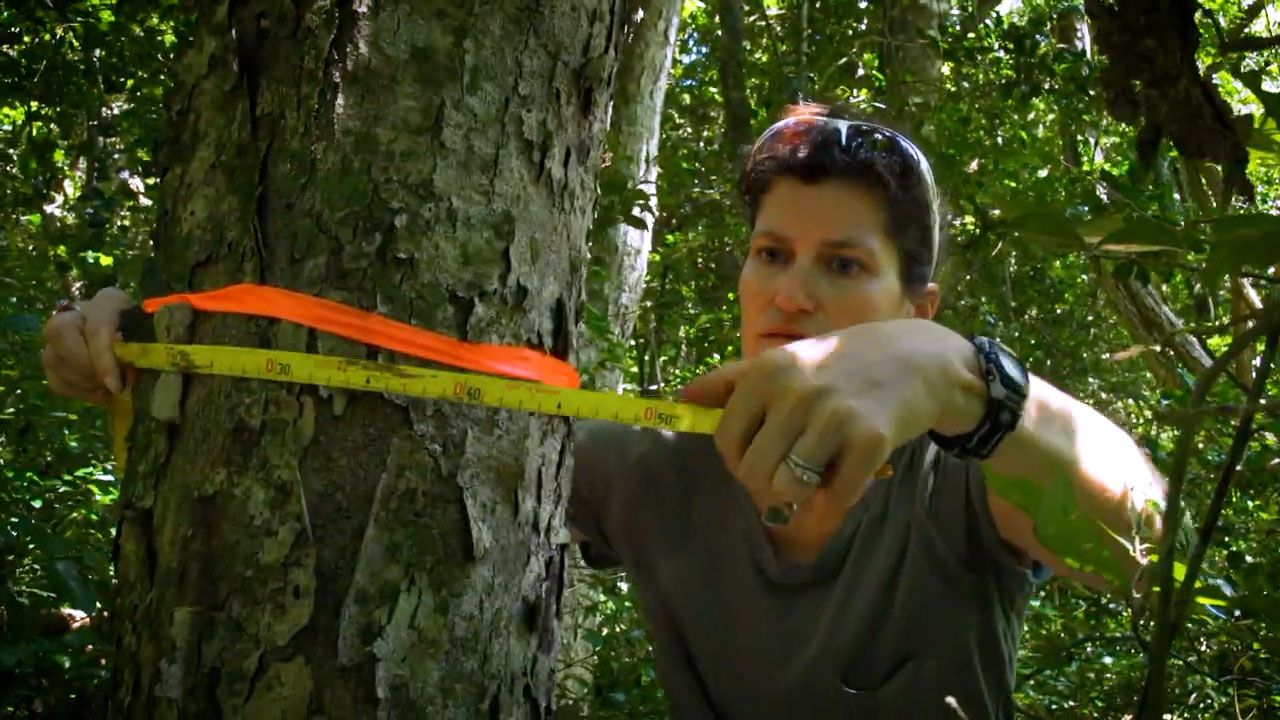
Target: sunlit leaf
point(1142, 234)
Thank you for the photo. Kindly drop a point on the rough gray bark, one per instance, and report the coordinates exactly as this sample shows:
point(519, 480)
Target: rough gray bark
point(622, 251)
point(289, 552)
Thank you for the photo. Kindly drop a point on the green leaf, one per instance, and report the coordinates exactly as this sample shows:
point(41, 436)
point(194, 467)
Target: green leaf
point(1143, 234)
point(1240, 241)
point(1094, 229)
point(1254, 80)
point(1047, 229)
point(1265, 138)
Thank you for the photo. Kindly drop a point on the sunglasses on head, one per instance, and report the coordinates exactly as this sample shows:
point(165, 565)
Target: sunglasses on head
point(857, 136)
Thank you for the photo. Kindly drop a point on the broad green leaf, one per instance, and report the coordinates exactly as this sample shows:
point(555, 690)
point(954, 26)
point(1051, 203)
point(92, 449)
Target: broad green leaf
point(1241, 241)
point(1096, 228)
point(1047, 229)
point(1142, 234)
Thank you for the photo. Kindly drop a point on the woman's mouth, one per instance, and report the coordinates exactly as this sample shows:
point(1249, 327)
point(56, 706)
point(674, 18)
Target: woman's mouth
point(787, 334)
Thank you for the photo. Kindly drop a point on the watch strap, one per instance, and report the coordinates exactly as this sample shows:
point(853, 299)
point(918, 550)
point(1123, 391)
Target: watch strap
point(1006, 397)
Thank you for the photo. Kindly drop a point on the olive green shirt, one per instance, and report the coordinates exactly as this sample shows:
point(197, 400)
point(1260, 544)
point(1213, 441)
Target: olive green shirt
point(912, 610)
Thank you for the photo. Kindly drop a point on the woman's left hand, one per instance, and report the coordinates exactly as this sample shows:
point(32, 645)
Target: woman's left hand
point(839, 403)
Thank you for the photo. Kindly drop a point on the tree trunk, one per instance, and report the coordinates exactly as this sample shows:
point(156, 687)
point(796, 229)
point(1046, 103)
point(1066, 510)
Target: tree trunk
point(733, 84)
point(1151, 322)
point(910, 61)
point(291, 552)
point(622, 251)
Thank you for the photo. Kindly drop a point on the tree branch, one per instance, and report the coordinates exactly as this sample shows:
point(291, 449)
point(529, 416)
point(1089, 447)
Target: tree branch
point(733, 84)
point(1266, 406)
point(1153, 694)
point(1251, 13)
point(1244, 433)
point(1250, 43)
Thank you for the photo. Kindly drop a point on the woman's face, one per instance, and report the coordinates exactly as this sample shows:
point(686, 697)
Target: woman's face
point(820, 260)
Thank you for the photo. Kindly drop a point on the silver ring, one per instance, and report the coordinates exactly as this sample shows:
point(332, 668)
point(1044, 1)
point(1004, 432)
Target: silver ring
point(806, 473)
point(778, 515)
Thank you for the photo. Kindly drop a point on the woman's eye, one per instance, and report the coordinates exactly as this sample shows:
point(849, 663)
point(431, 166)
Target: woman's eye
point(770, 254)
point(841, 265)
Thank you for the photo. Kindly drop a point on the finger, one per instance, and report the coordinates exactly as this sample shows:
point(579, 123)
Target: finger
point(102, 321)
point(58, 320)
point(863, 452)
point(68, 355)
point(714, 388)
point(743, 416)
point(71, 389)
point(784, 422)
point(68, 376)
point(818, 445)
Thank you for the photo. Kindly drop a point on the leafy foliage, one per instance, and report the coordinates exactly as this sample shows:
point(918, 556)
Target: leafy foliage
point(80, 107)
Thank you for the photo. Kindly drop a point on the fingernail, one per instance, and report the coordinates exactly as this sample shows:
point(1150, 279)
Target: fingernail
point(113, 384)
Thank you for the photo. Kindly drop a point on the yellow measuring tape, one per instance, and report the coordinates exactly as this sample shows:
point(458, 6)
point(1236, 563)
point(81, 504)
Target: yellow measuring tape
point(365, 375)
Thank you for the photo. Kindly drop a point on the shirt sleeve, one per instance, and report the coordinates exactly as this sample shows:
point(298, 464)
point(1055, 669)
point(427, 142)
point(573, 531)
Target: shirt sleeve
point(958, 504)
point(599, 471)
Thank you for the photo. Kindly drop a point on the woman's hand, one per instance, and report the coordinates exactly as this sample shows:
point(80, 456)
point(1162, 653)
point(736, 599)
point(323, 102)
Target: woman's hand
point(77, 357)
point(840, 404)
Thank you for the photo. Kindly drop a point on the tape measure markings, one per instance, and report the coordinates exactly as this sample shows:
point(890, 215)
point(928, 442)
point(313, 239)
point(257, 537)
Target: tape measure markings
point(369, 376)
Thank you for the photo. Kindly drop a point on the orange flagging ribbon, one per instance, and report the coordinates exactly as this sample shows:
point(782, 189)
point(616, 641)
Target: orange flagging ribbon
point(370, 328)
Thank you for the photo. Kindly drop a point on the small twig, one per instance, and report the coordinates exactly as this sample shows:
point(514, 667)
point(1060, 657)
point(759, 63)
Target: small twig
point(1244, 433)
point(1265, 406)
point(1251, 13)
point(1152, 702)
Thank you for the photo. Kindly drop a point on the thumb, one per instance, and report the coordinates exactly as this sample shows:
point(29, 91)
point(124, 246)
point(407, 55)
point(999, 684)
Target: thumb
point(712, 389)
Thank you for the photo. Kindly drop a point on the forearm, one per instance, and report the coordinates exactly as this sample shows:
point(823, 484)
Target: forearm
point(1092, 494)
point(1087, 496)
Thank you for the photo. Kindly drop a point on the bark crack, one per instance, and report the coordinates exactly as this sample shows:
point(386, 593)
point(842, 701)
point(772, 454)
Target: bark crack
point(501, 143)
point(335, 60)
point(261, 211)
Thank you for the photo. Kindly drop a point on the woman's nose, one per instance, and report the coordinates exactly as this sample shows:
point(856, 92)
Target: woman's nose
point(795, 291)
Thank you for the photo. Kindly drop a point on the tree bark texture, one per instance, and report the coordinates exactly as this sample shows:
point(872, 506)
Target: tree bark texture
point(1151, 322)
point(1152, 80)
point(910, 61)
point(634, 128)
point(622, 251)
point(733, 84)
point(286, 551)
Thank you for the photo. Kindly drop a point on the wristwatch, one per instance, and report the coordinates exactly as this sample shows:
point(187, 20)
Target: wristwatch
point(1007, 383)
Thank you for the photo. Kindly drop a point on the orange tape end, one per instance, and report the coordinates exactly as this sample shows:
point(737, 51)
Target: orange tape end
point(373, 329)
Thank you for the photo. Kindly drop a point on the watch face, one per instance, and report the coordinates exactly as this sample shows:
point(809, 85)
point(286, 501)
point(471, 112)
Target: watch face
point(1012, 367)
point(1009, 365)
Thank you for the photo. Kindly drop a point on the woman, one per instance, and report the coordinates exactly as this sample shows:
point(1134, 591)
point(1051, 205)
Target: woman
point(861, 536)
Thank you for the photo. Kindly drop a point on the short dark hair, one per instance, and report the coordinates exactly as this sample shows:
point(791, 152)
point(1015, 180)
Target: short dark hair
point(888, 164)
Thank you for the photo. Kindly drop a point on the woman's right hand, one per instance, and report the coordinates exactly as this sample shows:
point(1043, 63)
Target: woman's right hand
point(77, 356)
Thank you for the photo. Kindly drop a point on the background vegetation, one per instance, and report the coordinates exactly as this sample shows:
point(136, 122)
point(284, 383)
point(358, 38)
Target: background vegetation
point(1119, 267)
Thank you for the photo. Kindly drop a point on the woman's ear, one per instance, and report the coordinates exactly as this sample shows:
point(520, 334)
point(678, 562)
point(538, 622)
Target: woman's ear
point(925, 303)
